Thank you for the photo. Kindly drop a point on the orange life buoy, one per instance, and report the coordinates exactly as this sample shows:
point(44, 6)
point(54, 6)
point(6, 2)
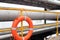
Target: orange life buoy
point(14, 26)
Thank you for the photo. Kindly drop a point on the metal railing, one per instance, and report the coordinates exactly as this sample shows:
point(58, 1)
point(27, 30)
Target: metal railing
point(21, 13)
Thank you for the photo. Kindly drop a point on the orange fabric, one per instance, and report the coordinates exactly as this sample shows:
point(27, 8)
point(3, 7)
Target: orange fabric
point(14, 25)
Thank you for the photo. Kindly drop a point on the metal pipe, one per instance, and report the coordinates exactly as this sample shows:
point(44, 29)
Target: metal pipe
point(25, 32)
point(57, 2)
point(9, 15)
point(38, 28)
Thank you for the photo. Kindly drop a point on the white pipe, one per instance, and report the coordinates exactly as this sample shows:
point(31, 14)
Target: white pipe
point(6, 15)
point(54, 2)
point(9, 15)
point(34, 32)
point(8, 5)
point(57, 2)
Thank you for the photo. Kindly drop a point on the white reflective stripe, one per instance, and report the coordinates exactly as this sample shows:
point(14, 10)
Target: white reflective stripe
point(30, 28)
point(13, 28)
point(25, 17)
point(22, 38)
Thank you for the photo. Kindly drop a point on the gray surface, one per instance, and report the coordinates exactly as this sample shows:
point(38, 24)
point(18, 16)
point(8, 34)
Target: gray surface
point(36, 31)
point(52, 1)
point(9, 15)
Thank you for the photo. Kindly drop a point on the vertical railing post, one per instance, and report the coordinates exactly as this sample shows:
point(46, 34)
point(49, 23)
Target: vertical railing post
point(57, 18)
point(45, 19)
point(21, 13)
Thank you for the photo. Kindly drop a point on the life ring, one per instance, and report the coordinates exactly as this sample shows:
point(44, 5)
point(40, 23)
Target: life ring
point(14, 26)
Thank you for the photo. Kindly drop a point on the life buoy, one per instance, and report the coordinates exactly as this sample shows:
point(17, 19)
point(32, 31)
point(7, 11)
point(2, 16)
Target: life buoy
point(14, 26)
